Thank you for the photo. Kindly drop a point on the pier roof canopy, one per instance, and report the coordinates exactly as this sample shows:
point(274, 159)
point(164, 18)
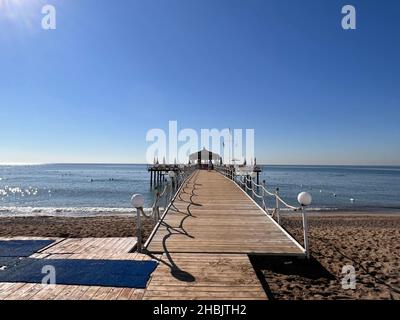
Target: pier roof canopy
point(204, 155)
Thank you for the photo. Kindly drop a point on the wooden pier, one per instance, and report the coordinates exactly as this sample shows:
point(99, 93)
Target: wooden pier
point(158, 172)
point(202, 245)
point(211, 214)
point(205, 238)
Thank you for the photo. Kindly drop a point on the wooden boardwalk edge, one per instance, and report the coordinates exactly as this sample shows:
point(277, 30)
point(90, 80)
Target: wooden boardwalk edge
point(272, 219)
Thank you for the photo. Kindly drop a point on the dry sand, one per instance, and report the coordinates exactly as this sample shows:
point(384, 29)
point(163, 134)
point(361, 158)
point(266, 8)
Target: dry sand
point(368, 242)
point(65, 227)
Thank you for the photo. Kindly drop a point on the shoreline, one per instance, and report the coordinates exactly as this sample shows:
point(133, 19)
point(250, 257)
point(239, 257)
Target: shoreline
point(97, 212)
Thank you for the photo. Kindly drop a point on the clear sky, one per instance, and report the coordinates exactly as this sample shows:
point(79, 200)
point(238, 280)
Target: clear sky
point(91, 89)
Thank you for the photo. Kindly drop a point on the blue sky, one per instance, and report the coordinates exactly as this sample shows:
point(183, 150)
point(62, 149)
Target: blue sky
point(91, 89)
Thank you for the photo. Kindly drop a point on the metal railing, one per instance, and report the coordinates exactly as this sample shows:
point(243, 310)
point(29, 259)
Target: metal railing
point(245, 180)
point(165, 197)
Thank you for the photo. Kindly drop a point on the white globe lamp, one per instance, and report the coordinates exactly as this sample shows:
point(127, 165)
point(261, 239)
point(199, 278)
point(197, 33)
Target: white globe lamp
point(137, 201)
point(172, 174)
point(304, 198)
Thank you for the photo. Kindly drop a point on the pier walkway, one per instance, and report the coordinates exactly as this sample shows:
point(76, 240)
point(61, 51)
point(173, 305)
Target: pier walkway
point(205, 238)
point(211, 214)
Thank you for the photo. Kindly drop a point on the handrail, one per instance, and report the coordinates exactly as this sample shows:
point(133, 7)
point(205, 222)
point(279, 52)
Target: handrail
point(249, 184)
point(246, 182)
point(168, 194)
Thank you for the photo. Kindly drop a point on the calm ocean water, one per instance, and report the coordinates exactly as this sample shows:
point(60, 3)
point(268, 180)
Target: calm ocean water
point(96, 189)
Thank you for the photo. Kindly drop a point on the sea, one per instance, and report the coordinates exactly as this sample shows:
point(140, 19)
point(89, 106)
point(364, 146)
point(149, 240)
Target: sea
point(106, 189)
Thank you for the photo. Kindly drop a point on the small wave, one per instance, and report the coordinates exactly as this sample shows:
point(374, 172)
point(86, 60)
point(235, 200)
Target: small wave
point(67, 211)
point(310, 209)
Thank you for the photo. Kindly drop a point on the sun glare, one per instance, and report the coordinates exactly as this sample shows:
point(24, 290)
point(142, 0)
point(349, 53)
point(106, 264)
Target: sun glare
point(22, 12)
point(16, 7)
point(8, 4)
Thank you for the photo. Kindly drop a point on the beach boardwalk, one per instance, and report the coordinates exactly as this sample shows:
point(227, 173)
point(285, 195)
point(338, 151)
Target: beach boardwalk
point(205, 238)
point(211, 214)
point(202, 245)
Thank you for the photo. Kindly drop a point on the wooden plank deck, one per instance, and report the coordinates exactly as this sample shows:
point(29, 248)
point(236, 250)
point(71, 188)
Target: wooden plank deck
point(211, 214)
point(181, 276)
point(87, 248)
point(204, 277)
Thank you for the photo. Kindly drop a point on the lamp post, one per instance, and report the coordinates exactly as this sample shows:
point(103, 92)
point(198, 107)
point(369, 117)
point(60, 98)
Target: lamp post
point(278, 215)
point(253, 175)
point(172, 175)
point(305, 199)
point(138, 203)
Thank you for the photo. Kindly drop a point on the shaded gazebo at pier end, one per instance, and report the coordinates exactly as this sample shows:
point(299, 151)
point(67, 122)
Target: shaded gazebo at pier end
point(205, 159)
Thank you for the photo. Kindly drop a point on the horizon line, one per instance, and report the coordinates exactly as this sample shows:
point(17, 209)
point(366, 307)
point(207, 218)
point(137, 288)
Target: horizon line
point(139, 163)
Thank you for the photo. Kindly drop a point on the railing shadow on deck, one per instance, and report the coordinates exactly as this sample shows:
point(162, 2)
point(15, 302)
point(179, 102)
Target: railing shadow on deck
point(176, 271)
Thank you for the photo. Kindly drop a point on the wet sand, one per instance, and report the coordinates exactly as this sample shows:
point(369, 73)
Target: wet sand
point(369, 242)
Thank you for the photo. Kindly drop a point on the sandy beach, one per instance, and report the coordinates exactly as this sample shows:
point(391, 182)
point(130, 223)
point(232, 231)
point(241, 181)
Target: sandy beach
point(369, 242)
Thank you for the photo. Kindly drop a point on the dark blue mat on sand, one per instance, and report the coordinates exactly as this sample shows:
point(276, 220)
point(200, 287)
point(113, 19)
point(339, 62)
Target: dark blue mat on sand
point(22, 248)
point(105, 273)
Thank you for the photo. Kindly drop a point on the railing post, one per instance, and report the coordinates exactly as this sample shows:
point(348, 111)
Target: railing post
point(278, 216)
point(138, 203)
point(171, 193)
point(305, 228)
point(139, 230)
point(263, 198)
